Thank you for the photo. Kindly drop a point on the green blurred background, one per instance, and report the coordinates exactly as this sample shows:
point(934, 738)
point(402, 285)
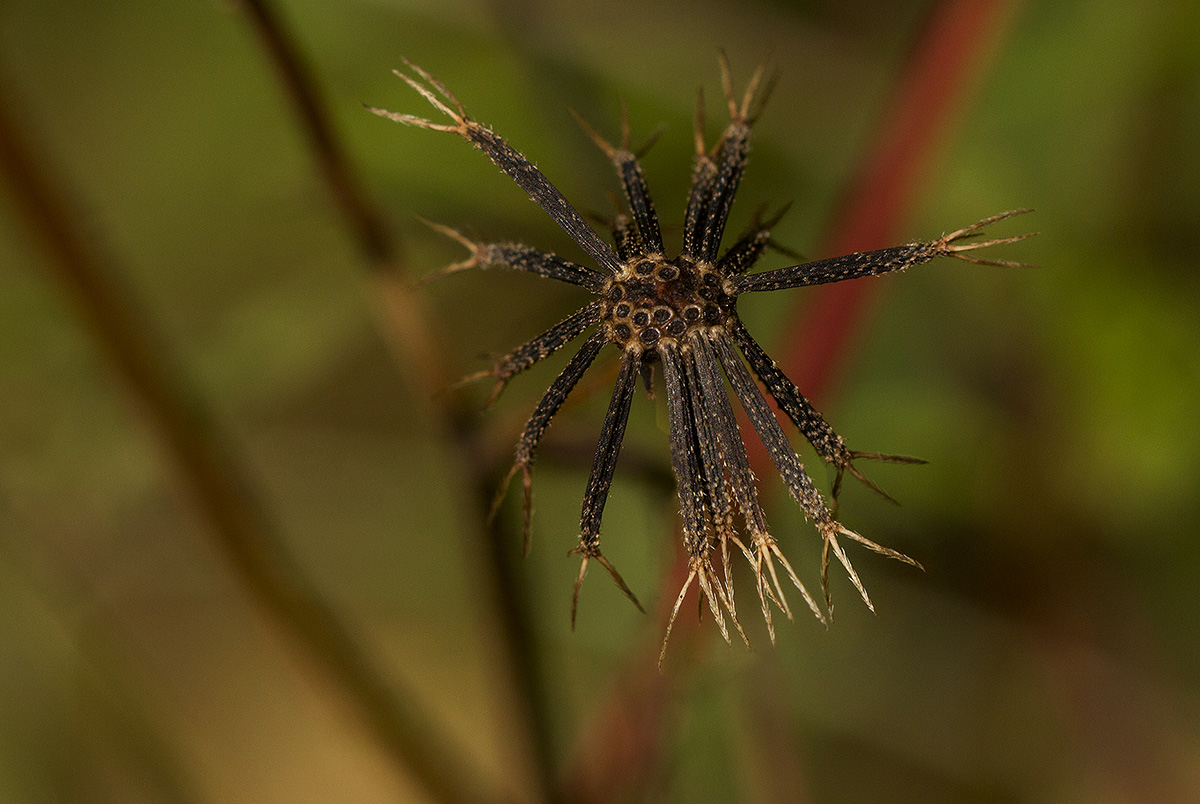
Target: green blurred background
point(1049, 653)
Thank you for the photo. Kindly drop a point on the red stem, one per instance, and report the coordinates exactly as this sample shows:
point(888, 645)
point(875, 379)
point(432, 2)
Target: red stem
point(944, 63)
point(945, 59)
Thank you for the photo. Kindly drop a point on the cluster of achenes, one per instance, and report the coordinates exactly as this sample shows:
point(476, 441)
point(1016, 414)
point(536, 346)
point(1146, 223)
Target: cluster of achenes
point(681, 312)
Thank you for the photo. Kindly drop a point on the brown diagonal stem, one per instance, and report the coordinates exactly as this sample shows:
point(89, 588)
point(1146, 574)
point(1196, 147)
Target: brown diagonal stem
point(209, 470)
point(404, 323)
point(299, 83)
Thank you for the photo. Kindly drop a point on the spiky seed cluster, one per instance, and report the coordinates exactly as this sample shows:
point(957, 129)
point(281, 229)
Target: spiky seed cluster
point(681, 312)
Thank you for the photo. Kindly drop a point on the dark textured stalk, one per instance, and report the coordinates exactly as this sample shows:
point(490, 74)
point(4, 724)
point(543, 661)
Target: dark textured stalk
point(839, 269)
point(789, 399)
point(605, 463)
point(213, 476)
point(544, 194)
point(704, 173)
point(539, 420)
point(685, 452)
point(544, 345)
point(724, 187)
point(633, 180)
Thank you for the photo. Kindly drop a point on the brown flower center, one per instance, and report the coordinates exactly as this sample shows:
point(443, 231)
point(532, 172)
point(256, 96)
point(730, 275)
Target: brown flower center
point(653, 300)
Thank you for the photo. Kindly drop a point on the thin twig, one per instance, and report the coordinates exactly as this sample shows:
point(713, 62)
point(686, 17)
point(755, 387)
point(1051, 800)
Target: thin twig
point(298, 81)
point(403, 321)
point(203, 462)
point(129, 716)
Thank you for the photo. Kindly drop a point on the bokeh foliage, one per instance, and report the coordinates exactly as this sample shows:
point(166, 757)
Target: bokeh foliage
point(1050, 651)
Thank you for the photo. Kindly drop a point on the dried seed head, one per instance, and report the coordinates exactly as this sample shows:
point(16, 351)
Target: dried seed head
point(681, 312)
point(653, 301)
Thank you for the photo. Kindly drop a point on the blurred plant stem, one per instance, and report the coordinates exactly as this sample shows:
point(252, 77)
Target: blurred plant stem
point(214, 477)
point(944, 59)
point(942, 67)
point(404, 324)
point(113, 696)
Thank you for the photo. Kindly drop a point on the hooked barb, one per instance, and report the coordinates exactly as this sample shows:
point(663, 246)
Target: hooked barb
point(430, 90)
point(588, 554)
point(848, 466)
point(473, 261)
point(700, 569)
point(753, 100)
point(766, 552)
point(829, 533)
point(952, 245)
point(526, 501)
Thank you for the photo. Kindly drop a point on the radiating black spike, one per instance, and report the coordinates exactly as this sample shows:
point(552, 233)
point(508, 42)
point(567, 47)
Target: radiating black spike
point(540, 347)
point(539, 420)
point(509, 160)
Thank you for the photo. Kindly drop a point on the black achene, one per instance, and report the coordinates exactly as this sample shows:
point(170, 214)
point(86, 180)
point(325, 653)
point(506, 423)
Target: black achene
point(681, 312)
